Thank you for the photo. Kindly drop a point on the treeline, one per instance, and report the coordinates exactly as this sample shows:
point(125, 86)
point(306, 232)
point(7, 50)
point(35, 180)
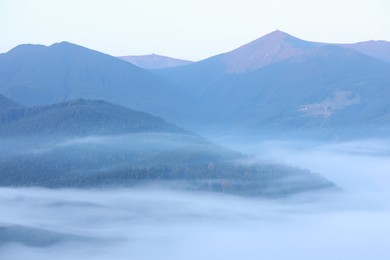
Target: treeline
point(249, 180)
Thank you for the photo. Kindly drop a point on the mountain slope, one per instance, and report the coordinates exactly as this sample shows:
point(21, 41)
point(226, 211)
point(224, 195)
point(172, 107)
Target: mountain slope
point(285, 92)
point(154, 61)
point(97, 144)
point(6, 103)
point(39, 75)
point(376, 49)
point(318, 86)
point(80, 118)
point(273, 47)
point(268, 49)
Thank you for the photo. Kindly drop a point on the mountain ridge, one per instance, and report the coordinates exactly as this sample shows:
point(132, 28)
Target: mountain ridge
point(40, 75)
point(265, 50)
point(154, 61)
point(244, 87)
point(276, 95)
point(278, 45)
point(376, 49)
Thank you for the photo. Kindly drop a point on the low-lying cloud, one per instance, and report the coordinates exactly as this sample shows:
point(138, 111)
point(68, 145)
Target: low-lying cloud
point(153, 224)
point(362, 165)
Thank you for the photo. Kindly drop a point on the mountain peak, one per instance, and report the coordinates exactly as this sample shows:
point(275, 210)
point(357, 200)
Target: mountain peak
point(267, 49)
point(64, 45)
point(40, 75)
point(276, 34)
point(27, 47)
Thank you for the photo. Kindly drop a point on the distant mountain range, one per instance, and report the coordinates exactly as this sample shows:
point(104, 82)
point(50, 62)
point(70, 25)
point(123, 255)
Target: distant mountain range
point(97, 144)
point(40, 75)
point(282, 83)
point(278, 46)
point(154, 61)
point(273, 47)
point(275, 83)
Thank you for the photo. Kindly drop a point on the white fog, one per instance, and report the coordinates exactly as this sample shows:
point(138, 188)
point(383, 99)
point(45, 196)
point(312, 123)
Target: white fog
point(146, 223)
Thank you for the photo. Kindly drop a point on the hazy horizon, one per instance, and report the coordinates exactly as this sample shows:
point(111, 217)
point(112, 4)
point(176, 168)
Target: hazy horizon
point(173, 28)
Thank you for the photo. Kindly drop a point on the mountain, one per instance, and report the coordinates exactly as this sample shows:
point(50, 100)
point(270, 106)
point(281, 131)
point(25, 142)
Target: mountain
point(273, 47)
point(40, 75)
point(278, 45)
point(96, 144)
point(299, 86)
point(231, 90)
point(376, 49)
point(154, 61)
point(80, 118)
point(268, 49)
point(330, 87)
point(6, 103)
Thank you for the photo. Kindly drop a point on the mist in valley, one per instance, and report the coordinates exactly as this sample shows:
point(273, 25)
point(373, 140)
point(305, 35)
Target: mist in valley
point(136, 130)
point(361, 165)
point(150, 223)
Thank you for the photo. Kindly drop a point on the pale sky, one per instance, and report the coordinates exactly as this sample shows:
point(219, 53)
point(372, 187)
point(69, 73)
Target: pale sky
point(187, 29)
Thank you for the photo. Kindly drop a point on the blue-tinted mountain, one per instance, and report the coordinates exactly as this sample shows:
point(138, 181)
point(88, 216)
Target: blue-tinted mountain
point(300, 86)
point(273, 47)
point(199, 76)
point(329, 88)
point(40, 75)
point(154, 61)
point(376, 49)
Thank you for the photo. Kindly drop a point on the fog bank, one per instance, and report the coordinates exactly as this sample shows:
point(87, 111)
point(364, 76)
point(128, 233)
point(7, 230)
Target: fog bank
point(151, 224)
point(163, 224)
point(355, 166)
